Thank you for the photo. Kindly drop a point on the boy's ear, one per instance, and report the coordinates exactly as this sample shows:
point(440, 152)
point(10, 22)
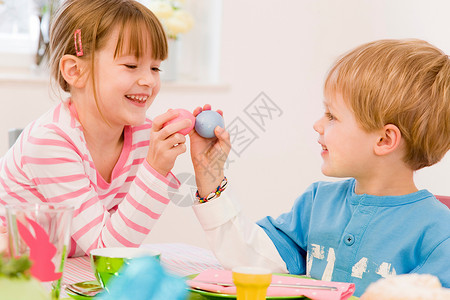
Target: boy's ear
point(71, 68)
point(389, 139)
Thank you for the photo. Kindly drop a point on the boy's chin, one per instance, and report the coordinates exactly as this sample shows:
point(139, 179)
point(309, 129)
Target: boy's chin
point(333, 173)
point(326, 171)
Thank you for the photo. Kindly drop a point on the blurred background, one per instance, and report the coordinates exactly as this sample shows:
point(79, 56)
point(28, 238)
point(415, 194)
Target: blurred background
point(262, 62)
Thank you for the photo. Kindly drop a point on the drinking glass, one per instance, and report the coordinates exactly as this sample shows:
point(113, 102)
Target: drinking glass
point(42, 232)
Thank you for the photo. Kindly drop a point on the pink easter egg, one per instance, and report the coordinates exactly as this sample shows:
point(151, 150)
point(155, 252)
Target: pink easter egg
point(183, 114)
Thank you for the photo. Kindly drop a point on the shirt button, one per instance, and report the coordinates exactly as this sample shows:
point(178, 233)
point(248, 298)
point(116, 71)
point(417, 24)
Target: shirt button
point(349, 239)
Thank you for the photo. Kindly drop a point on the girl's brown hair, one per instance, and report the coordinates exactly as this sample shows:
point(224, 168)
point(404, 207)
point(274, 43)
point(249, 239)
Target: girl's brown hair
point(97, 19)
point(400, 82)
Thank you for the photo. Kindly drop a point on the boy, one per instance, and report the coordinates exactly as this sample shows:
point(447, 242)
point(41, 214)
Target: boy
point(387, 114)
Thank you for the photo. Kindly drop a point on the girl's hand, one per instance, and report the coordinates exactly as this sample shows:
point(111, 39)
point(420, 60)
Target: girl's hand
point(165, 142)
point(209, 156)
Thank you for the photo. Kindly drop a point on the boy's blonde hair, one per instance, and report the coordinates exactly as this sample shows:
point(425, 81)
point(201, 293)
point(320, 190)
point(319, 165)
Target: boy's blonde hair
point(97, 19)
point(400, 82)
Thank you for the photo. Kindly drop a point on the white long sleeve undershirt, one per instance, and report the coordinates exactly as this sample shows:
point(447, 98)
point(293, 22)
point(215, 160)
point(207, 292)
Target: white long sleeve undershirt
point(234, 239)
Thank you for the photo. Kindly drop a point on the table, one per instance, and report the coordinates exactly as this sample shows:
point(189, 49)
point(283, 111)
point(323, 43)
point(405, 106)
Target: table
point(177, 258)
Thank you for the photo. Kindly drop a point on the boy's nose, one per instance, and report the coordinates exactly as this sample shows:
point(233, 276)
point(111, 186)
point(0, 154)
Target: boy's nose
point(318, 126)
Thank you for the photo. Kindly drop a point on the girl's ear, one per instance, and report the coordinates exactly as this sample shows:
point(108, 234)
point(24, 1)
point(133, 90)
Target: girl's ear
point(71, 68)
point(389, 140)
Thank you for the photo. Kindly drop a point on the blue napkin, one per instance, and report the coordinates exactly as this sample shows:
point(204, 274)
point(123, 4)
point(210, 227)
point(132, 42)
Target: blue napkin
point(145, 279)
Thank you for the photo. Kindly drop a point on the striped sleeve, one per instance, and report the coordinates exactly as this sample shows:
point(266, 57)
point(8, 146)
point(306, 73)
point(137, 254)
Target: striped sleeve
point(58, 169)
point(141, 208)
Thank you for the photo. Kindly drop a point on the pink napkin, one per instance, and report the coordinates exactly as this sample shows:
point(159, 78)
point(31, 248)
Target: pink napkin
point(344, 290)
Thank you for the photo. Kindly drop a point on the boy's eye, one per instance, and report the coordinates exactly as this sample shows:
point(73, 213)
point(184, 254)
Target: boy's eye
point(156, 69)
point(329, 116)
point(131, 66)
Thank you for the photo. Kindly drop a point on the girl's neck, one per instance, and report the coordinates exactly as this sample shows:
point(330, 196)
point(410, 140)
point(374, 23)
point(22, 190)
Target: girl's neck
point(95, 128)
point(104, 141)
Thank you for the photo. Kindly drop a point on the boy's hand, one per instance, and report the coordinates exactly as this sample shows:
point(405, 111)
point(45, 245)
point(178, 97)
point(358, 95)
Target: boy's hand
point(209, 156)
point(165, 142)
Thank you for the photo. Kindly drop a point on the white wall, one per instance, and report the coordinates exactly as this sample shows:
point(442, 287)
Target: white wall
point(284, 49)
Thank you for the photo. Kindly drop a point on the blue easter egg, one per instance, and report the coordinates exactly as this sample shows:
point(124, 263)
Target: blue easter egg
point(206, 122)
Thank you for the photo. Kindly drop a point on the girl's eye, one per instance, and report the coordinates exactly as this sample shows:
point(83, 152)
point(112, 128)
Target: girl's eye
point(156, 69)
point(131, 66)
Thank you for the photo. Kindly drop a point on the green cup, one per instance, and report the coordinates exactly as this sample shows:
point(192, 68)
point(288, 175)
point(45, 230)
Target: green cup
point(107, 262)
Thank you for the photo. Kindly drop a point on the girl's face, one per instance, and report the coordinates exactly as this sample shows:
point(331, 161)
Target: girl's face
point(347, 150)
point(126, 86)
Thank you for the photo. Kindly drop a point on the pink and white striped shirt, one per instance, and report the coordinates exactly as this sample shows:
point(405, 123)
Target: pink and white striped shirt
point(50, 162)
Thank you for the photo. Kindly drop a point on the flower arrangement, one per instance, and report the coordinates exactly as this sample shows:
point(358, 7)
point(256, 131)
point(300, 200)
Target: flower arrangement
point(45, 10)
point(172, 15)
point(16, 281)
point(15, 267)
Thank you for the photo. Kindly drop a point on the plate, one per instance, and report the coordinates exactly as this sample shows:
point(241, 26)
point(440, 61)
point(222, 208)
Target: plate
point(204, 295)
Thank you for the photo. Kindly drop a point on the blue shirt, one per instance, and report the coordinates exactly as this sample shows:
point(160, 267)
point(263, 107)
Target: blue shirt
point(331, 233)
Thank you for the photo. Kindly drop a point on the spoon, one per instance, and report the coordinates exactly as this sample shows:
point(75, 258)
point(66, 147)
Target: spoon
point(85, 288)
point(296, 286)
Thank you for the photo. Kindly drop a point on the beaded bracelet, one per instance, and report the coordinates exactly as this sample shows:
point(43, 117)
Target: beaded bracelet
point(213, 195)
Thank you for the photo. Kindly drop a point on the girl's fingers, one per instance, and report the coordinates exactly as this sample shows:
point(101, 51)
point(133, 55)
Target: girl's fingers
point(178, 149)
point(159, 121)
point(175, 139)
point(169, 144)
point(173, 128)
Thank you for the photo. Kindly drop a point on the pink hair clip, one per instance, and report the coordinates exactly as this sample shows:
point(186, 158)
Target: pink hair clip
point(78, 45)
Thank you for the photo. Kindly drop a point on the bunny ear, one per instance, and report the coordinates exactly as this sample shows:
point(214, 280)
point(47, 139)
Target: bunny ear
point(41, 240)
point(41, 251)
point(24, 232)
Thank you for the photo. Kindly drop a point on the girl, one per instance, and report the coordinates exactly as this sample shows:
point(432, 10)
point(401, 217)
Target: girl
point(97, 151)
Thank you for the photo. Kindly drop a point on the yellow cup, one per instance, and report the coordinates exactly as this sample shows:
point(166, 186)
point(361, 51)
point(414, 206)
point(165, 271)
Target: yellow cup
point(251, 282)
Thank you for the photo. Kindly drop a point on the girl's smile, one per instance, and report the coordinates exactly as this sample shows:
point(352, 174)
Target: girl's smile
point(137, 99)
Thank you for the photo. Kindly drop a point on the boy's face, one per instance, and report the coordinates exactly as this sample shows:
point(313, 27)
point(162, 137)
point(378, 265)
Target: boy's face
point(347, 150)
